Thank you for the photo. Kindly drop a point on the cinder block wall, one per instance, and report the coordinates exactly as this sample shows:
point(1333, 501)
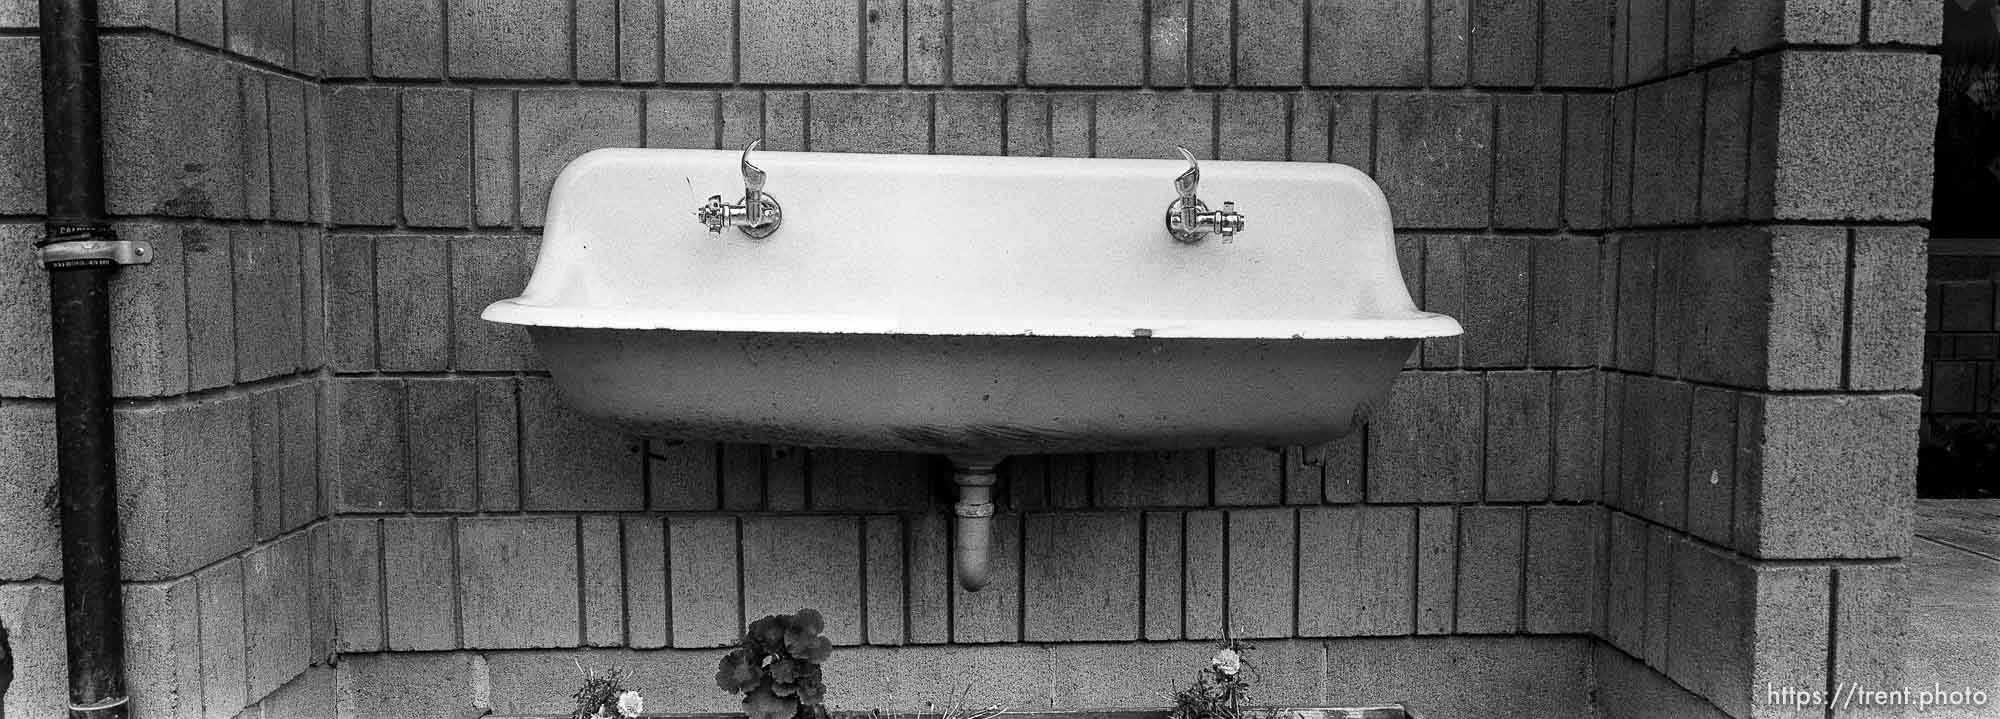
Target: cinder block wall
point(1668, 462)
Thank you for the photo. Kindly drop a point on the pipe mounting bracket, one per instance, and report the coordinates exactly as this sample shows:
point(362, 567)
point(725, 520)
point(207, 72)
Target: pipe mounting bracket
point(78, 246)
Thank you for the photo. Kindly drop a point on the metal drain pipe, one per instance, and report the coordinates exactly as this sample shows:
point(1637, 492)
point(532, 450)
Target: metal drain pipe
point(972, 531)
point(80, 253)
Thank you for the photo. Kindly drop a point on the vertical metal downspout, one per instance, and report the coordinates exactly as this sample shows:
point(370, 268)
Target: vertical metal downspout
point(80, 319)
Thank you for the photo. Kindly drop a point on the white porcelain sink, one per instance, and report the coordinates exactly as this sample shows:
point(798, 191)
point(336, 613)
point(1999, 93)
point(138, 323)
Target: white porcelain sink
point(978, 307)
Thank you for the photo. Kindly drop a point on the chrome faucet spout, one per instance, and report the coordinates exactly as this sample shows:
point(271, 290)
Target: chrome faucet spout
point(1188, 219)
point(758, 216)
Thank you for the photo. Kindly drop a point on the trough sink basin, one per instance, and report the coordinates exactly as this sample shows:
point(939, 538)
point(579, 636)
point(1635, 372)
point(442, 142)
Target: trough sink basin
point(969, 305)
point(976, 307)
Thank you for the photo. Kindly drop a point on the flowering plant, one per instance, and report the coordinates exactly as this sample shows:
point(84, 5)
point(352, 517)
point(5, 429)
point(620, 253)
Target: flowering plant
point(603, 697)
point(1219, 688)
point(776, 667)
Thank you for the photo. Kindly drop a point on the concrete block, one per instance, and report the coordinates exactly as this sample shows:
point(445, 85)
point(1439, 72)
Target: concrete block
point(784, 478)
point(799, 44)
point(162, 648)
point(201, 21)
point(486, 269)
point(926, 43)
point(1518, 436)
point(1563, 572)
point(344, 38)
point(1167, 43)
point(1909, 22)
point(1578, 427)
point(1565, 327)
point(1655, 441)
point(1738, 628)
point(858, 480)
point(1205, 576)
point(1341, 471)
point(928, 551)
point(255, 152)
point(1886, 309)
point(33, 614)
point(684, 476)
point(436, 157)
point(1505, 48)
point(409, 684)
point(277, 588)
point(1089, 675)
point(412, 316)
point(645, 592)
point(570, 463)
point(498, 444)
point(308, 695)
point(1619, 206)
point(1081, 581)
point(407, 38)
point(1711, 465)
point(306, 38)
point(261, 30)
point(148, 306)
point(1428, 440)
point(558, 125)
point(25, 360)
point(1263, 572)
point(640, 54)
point(985, 42)
point(1628, 689)
point(1070, 125)
point(1625, 571)
point(1436, 568)
point(1090, 44)
point(1162, 581)
point(518, 582)
point(1528, 151)
point(602, 551)
point(1646, 40)
point(211, 306)
point(1436, 158)
point(1025, 482)
point(1871, 629)
point(1638, 256)
point(1726, 142)
point(1830, 22)
point(1211, 44)
point(365, 450)
point(1963, 306)
point(269, 331)
point(1150, 479)
point(266, 463)
point(704, 44)
point(349, 274)
point(969, 124)
point(1069, 480)
point(1664, 549)
point(1854, 136)
point(1247, 130)
point(870, 122)
point(1451, 48)
point(882, 580)
point(1149, 126)
point(1586, 158)
point(1807, 294)
point(1667, 152)
point(443, 447)
point(181, 461)
point(190, 167)
point(355, 575)
point(681, 119)
point(596, 24)
point(361, 184)
point(1680, 34)
point(291, 187)
point(1270, 43)
point(223, 666)
point(741, 468)
point(155, 14)
point(505, 40)
point(703, 581)
point(1369, 44)
point(28, 499)
point(493, 158)
point(796, 561)
point(1576, 43)
point(1490, 570)
point(298, 446)
point(1497, 676)
point(783, 123)
point(882, 40)
point(1830, 476)
point(1249, 477)
point(1311, 126)
point(1357, 569)
point(992, 614)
